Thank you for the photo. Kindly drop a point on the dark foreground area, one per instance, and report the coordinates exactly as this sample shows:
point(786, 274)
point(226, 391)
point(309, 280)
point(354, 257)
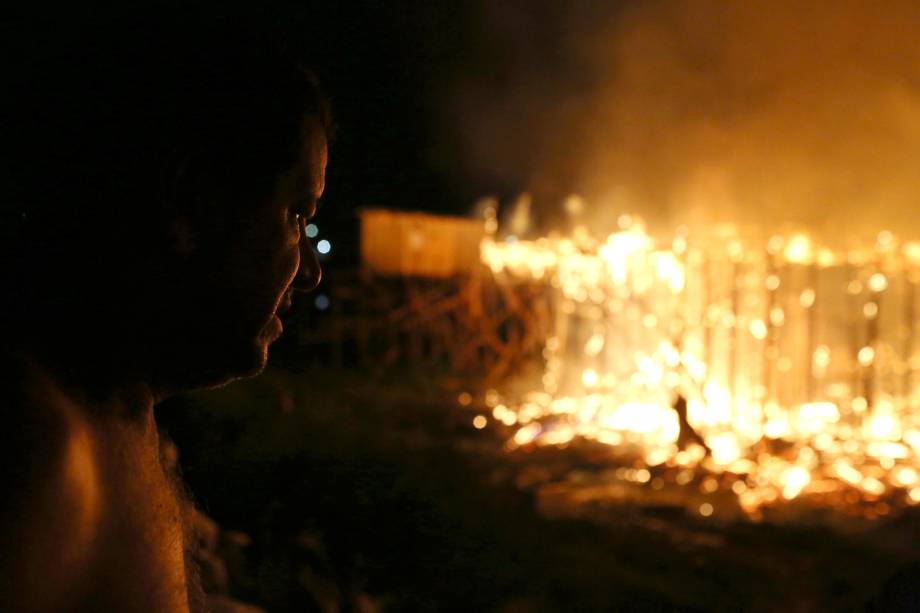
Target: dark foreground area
point(336, 492)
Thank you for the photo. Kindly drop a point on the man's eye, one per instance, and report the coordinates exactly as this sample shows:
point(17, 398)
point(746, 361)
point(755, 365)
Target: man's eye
point(298, 210)
point(305, 209)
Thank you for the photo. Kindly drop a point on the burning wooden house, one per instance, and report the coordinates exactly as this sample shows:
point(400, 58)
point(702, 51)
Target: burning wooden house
point(796, 365)
point(780, 370)
point(413, 244)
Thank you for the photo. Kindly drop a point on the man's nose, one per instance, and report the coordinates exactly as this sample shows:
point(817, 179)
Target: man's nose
point(309, 274)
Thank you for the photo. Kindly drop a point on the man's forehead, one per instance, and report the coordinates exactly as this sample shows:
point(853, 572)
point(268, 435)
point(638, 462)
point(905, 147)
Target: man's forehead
point(315, 153)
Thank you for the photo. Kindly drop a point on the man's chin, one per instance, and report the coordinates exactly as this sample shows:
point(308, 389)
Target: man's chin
point(211, 371)
point(250, 365)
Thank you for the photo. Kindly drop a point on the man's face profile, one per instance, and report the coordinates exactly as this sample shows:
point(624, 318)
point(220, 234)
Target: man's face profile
point(188, 173)
point(244, 264)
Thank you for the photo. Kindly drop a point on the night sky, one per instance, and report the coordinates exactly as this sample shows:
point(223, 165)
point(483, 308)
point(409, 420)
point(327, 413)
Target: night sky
point(388, 68)
point(417, 88)
point(400, 77)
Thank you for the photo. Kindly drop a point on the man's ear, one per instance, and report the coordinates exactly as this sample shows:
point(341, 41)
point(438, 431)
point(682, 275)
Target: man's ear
point(182, 236)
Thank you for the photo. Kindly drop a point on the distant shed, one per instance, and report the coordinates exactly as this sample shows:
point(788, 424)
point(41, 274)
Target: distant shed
point(414, 244)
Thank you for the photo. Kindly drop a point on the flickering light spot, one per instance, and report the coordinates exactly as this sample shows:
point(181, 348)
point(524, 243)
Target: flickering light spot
point(826, 258)
point(784, 364)
point(912, 251)
point(709, 485)
point(735, 251)
point(574, 205)
point(480, 421)
point(798, 249)
point(739, 487)
point(873, 486)
point(777, 316)
point(854, 287)
point(870, 310)
point(906, 476)
point(847, 472)
point(321, 302)
point(706, 509)
point(725, 450)
point(822, 357)
point(794, 481)
point(772, 283)
point(594, 345)
point(312, 230)
point(491, 225)
point(775, 244)
point(807, 298)
point(878, 282)
point(679, 245)
point(657, 457)
point(883, 425)
point(859, 404)
point(324, 246)
point(527, 434)
point(504, 415)
point(589, 377)
point(465, 398)
point(758, 329)
point(823, 441)
point(866, 356)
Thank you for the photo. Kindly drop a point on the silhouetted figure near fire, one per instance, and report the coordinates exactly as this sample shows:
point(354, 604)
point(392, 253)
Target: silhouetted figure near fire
point(687, 434)
point(155, 185)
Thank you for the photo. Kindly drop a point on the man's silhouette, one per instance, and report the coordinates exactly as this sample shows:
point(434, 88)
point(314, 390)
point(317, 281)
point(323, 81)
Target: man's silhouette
point(155, 184)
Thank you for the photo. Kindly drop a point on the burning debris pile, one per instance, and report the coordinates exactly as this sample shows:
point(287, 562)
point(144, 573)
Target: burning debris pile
point(775, 370)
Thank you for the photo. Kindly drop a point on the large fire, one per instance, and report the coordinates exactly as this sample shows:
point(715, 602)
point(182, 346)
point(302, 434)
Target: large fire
point(789, 369)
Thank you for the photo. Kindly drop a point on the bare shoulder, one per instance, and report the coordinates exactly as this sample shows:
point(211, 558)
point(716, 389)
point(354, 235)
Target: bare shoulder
point(47, 473)
point(93, 522)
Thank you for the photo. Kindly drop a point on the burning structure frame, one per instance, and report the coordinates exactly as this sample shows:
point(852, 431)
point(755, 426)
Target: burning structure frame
point(789, 370)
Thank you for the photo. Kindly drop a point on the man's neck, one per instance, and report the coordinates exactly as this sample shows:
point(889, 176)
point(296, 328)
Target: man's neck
point(99, 396)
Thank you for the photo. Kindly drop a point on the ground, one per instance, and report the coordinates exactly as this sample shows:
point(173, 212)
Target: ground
point(378, 494)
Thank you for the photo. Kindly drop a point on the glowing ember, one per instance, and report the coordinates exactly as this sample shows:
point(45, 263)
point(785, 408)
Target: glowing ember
point(790, 366)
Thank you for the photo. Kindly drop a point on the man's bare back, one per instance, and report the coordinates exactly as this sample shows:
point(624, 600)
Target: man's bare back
point(100, 526)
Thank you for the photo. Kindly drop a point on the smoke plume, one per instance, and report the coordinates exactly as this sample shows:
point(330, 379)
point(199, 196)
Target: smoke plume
point(767, 113)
